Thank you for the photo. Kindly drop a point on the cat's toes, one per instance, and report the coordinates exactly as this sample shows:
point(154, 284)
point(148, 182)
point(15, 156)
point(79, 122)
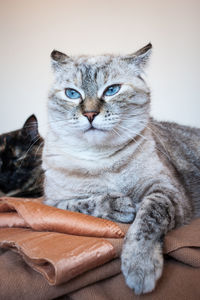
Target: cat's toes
point(122, 216)
point(122, 210)
point(141, 280)
point(141, 271)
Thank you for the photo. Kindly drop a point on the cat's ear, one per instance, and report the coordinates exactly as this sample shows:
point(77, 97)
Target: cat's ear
point(140, 57)
point(58, 58)
point(30, 128)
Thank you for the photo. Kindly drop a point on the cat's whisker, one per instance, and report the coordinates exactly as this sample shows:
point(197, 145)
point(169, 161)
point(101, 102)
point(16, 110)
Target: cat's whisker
point(131, 137)
point(164, 153)
point(12, 193)
point(38, 148)
point(115, 131)
point(139, 134)
point(131, 115)
point(26, 153)
point(157, 137)
point(52, 155)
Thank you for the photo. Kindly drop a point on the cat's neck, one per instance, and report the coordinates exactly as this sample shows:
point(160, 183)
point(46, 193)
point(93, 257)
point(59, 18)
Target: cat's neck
point(81, 150)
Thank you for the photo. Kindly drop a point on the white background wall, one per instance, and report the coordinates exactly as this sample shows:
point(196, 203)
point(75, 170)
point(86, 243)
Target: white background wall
point(31, 29)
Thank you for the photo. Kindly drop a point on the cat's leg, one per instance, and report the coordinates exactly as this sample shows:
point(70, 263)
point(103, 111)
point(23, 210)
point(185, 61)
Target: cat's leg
point(142, 258)
point(108, 206)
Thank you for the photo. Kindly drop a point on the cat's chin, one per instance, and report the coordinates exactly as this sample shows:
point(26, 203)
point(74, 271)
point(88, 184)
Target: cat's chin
point(95, 136)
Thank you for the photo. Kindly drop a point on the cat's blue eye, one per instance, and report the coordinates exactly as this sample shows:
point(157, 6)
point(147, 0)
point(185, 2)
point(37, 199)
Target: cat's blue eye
point(112, 90)
point(72, 94)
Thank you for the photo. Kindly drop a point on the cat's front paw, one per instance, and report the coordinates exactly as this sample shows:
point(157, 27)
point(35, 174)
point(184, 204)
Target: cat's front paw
point(119, 208)
point(142, 266)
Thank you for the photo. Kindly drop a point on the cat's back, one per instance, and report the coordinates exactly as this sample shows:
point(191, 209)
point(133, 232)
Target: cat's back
point(180, 145)
point(177, 139)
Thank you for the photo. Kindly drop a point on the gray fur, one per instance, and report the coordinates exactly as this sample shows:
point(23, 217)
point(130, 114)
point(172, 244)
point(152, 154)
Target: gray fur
point(128, 167)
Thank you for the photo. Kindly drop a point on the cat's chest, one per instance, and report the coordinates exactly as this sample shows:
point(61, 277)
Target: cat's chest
point(125, 174)
point(73, 183)
point(106, 182)
point(123, 180)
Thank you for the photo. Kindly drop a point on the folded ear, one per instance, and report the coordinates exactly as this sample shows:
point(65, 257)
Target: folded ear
point(140, 57)
point(58, 58)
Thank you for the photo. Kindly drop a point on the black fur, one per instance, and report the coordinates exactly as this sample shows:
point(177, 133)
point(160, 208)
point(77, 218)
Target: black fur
point(20, 161)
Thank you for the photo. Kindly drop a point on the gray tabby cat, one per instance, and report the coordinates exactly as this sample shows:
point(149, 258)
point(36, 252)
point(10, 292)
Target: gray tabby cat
point(105, 156)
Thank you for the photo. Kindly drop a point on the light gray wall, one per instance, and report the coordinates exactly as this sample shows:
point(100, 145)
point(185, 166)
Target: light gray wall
point(31, 29)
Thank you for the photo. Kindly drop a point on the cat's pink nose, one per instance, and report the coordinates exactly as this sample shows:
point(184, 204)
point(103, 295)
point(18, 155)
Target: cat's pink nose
point(90, 115)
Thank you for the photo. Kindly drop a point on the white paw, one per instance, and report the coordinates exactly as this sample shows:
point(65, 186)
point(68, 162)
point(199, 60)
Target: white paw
point(142, 267)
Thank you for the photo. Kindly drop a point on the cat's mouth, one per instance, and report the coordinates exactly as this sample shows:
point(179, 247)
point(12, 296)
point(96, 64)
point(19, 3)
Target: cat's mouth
point(93, 129)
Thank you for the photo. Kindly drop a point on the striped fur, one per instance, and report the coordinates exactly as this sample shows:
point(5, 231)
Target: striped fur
point(126, 167)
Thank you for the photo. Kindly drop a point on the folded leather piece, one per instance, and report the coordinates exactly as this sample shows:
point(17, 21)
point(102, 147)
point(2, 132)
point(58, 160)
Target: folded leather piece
point(31, 213)
point(19, 281)
point(59, 257)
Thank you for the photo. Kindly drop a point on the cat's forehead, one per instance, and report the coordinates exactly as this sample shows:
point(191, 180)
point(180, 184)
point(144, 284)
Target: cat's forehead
point(92, 61)
point(93, 70)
